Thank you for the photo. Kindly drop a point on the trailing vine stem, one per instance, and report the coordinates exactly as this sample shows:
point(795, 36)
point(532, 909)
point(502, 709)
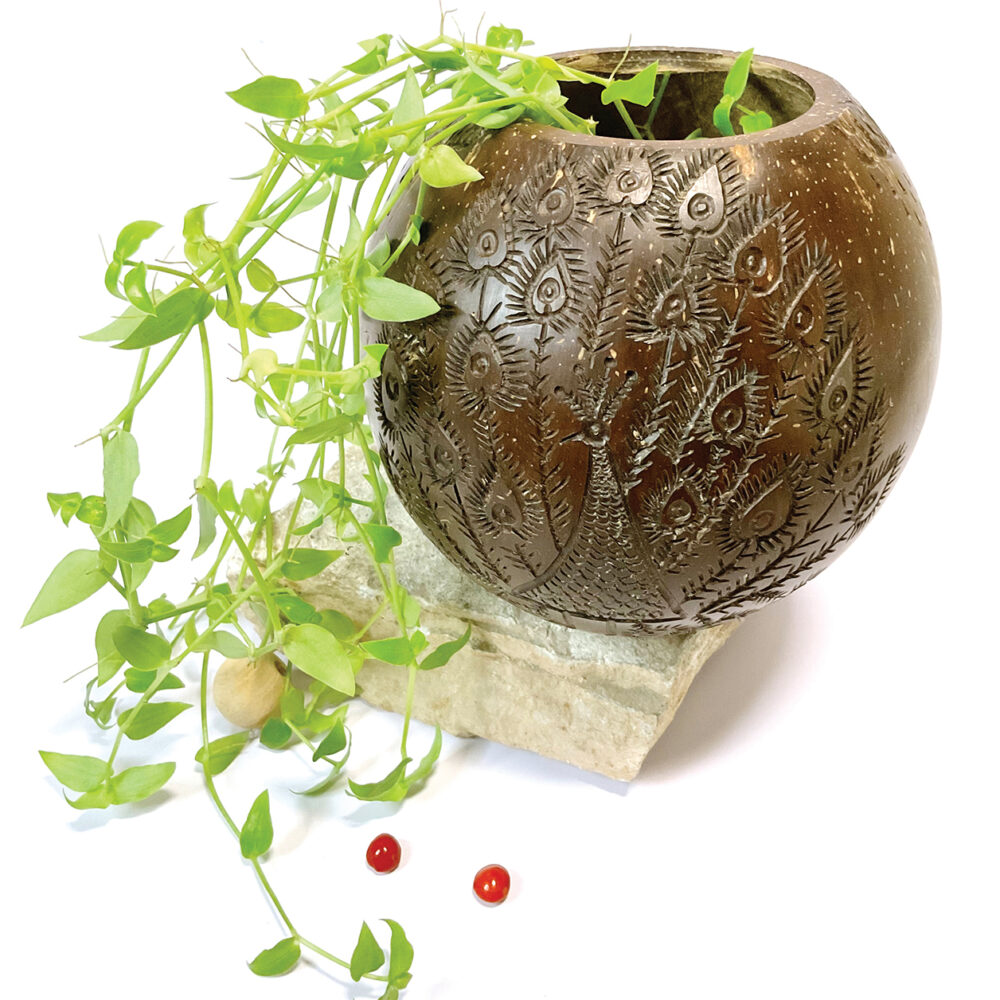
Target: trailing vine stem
point(372, 128)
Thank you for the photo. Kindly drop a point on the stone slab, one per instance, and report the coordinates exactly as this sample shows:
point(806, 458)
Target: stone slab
point(596, 701)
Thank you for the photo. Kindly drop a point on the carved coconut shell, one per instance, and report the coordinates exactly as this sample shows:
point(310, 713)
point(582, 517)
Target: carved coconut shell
point(670, 380)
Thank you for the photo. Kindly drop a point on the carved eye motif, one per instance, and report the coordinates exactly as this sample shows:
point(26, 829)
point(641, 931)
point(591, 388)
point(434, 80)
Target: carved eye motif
point(835, 402)
point(730, 414)
point(394, 388)
point(499, 508)
point(678, 510)
point(852, 463)
point(632, 182)
point(488, 246)
point(704, 206)
point(547, 292)
point(442, 457)
point(766, 515)
point(760, 262)
point(754, 250)
point(751, 263)
point(555, 206)
point(671, 307)
point(482, 369)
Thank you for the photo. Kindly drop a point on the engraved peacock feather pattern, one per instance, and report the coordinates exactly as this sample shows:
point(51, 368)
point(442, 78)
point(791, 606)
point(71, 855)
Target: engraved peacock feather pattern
point(649, 402)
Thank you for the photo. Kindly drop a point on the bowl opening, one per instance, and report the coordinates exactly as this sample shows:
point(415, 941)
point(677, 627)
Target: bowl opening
point(691, 94)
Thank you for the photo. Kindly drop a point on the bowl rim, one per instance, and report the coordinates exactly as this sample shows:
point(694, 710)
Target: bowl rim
point(829, 98)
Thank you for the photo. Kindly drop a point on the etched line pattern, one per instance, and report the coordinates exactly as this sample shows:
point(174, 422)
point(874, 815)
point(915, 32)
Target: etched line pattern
point(648, 403)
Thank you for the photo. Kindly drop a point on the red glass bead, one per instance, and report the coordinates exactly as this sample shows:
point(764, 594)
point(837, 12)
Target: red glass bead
point(383, 854)
point(492, 884)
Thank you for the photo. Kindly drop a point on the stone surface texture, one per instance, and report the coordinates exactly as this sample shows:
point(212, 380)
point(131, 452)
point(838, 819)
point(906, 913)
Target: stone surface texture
point(599, 702)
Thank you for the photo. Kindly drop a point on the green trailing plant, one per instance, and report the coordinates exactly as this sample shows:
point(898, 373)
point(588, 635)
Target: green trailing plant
point(344, 151)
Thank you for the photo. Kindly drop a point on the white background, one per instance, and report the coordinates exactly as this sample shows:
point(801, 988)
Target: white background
point(820, 821)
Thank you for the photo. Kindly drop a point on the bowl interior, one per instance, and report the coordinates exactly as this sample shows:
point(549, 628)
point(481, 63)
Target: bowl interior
point(693, 89)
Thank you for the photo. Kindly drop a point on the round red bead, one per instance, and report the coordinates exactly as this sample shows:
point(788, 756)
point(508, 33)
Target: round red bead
point(383, 854)
point(492, 884)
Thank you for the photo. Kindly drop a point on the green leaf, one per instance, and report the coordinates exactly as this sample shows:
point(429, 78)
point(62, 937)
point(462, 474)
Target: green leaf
point(81, 774)
point(638, 89)
point(121, 469)
point(282, 215)
point(388, 789)
point(755, 121)
point(257, 833)
point(278, 960)
point(171, 530)
point(374, 58)
point(207, 517)
point(99, 711)
point(317, 653)
point(341, 159)
point(133, 236)
point(499, 36)
point(732, 91)
point(222, 642)
point(138, 783)
point(138, 519)
point(385, 299)
point(304, 563)
point(502, 117)
point(293, 707)
point(176, 314)
point(441, 654)
point(145, 650)
point(400, 953)
point(337, 623)
point(383, 539)
point(330, 304)
point(410, 607)
point(96, 798)
point(334, 741)
point(440, 166)
point(142, 722)
point(260, 276)
point(193, 227)
point(396, 650)
point(64, 504)
point(119, 327)
point(77, 576)
point(273, 317)
point(324, 430)
point(130, 552)
point(720, 116)
point(109, 660)
point(92, 511)
point(297, 611)
point(137, 680)
point(410, 108)
point(222, 752)
point(135, 289)
point(446, 59)
point(276, 96)
point(367, 956)
point(422, 771)
point(379, 255)
point(739, 73)
point(275, 734)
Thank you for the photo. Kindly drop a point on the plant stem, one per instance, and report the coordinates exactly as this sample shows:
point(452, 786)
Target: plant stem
point(126, 412)
point(206, 441)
